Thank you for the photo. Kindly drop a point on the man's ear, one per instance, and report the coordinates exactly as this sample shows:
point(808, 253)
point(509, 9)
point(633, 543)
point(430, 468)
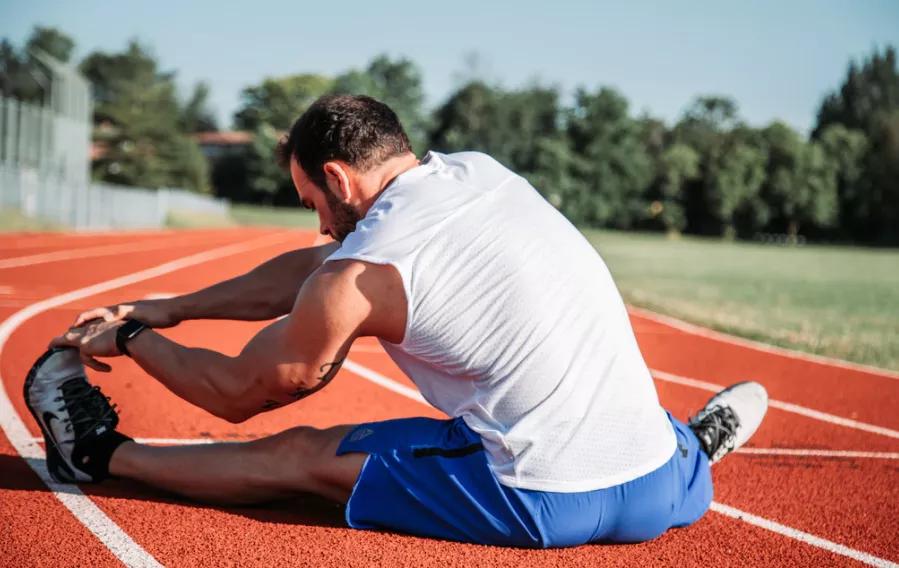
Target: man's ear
point(339, 175)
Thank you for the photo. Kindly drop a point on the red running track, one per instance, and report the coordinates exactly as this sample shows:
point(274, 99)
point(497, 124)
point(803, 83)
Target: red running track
point(819, 484)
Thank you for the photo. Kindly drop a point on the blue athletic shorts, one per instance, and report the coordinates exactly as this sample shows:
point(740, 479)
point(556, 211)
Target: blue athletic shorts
point(431, 478)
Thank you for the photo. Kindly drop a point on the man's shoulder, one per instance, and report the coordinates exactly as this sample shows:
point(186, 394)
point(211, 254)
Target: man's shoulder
point(363, 287)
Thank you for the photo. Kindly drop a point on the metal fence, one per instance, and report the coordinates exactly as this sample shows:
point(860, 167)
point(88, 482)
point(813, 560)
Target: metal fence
point(45, 165)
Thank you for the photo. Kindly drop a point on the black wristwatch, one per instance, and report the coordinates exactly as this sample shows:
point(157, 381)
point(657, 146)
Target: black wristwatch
point(126, 333)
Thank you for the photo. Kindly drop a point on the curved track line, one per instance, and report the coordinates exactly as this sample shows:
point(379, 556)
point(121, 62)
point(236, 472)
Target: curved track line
point(88, 252)
point(801, 536)
point(813, 453)
point(772, 526)
point(382, 381)
point(780, 405)
point(694, 329)
point(85, 510)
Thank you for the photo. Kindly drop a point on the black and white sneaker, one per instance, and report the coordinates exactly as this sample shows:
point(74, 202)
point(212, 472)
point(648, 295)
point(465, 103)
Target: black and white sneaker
point(730, 418)
point(77, 421)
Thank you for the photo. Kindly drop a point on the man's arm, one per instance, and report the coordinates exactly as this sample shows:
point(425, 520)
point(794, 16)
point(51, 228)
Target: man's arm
point(268, 291)
point(288, 360)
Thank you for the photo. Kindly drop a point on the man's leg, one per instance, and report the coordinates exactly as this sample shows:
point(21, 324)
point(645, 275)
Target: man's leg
point(299, 460)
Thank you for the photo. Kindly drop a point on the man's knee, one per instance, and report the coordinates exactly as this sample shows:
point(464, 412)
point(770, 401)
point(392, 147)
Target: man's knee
point(305, 459)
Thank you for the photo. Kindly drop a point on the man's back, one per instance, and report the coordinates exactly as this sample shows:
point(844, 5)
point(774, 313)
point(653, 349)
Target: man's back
point(515, 325)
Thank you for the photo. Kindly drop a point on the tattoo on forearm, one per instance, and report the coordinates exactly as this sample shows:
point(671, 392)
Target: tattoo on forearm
point(328, 371)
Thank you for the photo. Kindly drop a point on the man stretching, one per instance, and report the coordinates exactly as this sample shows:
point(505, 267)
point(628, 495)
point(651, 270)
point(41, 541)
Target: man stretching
point(495, 306)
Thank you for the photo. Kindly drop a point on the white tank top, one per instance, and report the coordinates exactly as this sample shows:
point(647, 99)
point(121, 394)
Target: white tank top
point(515, 325)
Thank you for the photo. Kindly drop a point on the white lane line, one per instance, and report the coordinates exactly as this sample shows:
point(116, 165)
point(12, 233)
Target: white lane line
point(110, 534)
point(759, 346)
point(801, 536)
point(816, 453)
point(164, 441)
point(780, 405)
point(89, 252)
point(85, 510)
point(383, 381)
point(784, 530)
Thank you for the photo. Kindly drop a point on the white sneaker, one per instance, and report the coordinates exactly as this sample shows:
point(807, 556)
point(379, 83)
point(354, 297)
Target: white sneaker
point(730, 418)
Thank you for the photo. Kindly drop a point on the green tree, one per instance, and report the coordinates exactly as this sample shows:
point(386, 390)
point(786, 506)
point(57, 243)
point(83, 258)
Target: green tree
point(882, 171)
point(705, 127)
point(846, 150)
point(469, 120)
point(619, 168)
point(196, 116)
point(868, 101)
point(735, 180)
point(678, 166)
point(398, 84)
point(269, 183)
point(528, 117)
point(137, 117)
point(278, 102)
point(801, 185)
point(869, 91)
point(559, 175)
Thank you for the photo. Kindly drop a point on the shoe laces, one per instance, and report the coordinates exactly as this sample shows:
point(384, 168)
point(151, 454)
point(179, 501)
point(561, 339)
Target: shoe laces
point(716, 429)
point(86, 407)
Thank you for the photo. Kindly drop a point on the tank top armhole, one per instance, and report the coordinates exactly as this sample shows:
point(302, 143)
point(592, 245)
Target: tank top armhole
point(404, 278)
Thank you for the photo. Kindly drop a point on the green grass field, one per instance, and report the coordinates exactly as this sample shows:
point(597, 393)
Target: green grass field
point(837, 301)
point(11, 220)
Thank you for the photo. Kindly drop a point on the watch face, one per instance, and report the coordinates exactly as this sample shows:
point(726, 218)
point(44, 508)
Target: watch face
point(132, 328)
point(127, 332)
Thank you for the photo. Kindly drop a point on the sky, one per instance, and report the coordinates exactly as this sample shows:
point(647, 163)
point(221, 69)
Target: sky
point(776, 59)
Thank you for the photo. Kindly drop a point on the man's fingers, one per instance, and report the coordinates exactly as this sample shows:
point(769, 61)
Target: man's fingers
point(94, 364)
point(65, 340)
point(96, 313)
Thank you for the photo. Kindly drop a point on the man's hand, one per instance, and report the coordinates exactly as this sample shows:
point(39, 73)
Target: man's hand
point(154, 313)
point(95, 339)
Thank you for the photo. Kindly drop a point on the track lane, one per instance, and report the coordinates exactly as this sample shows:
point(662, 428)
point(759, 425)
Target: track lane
point(25, 244)
point(850, 393)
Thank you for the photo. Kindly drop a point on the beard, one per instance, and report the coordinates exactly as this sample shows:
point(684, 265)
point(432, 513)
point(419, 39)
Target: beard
point(345, 217)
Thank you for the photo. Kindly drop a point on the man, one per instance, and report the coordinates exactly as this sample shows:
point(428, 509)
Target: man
point(499, 310)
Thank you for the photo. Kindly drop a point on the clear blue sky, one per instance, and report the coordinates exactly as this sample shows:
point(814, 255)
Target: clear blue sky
point(776, 58)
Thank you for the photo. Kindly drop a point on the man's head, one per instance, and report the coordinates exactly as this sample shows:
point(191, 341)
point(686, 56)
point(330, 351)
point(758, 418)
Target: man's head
point(339, 152)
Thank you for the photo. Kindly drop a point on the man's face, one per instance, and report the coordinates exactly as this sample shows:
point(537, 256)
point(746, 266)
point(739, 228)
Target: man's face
point(336, 218)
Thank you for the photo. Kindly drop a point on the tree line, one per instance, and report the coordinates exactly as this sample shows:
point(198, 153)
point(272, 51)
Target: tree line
point(709, 173)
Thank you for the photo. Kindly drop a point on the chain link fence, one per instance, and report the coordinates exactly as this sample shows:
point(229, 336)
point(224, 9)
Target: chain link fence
point(45, 165)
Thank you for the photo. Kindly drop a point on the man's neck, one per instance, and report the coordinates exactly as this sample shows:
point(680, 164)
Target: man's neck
point(377, 180)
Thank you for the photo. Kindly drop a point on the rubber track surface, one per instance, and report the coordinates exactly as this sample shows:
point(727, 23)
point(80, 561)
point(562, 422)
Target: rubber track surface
point(850, 501)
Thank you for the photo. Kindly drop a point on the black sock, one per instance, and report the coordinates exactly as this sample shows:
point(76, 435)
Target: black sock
point(93, 457)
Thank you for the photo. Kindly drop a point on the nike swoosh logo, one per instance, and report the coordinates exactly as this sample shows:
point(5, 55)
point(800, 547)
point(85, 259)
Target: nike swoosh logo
point(47, 417)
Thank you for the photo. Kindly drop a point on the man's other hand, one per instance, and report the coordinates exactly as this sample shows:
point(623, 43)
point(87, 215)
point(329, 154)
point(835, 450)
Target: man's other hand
point(154, 313)
point(95, 339)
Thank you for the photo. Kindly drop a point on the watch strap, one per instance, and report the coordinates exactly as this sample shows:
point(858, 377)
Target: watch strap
point(126, 333)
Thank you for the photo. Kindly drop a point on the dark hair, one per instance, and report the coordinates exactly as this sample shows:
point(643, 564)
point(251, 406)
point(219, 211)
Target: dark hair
point(354, 129)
